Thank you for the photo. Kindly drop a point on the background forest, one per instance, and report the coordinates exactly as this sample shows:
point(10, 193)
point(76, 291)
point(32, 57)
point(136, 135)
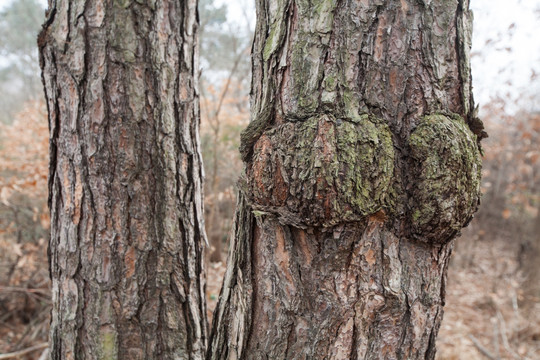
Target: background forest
point(493, 293)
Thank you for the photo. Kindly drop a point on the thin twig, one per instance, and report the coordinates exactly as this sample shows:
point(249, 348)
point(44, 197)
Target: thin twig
point(31, 330)
point(16, 354)
point(504, 337)
point(24, 290)
point(44, 355)
point(481, 348)
point(496, 339)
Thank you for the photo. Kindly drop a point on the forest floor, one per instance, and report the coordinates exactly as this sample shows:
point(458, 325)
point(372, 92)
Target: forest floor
point(486, 313)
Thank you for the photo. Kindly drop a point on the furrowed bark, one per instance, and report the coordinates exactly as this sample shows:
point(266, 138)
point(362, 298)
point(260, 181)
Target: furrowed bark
point(126, 251)
point(362, 165)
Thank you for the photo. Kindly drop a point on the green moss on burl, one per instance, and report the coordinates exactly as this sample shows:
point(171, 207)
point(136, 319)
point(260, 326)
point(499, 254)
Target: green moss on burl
point(367, 151)
point(446, 173)
point(324, 170)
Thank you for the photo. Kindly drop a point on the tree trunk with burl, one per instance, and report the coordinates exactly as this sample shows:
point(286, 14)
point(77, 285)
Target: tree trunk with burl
point(126, 247)
point(362, 164)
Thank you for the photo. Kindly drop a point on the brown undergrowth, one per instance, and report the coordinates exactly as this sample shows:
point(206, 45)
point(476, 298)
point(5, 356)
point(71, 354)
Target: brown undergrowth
point(488, 314)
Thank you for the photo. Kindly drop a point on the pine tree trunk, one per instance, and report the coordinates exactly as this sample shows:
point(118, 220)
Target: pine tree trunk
point(362, 165)
point(125, 180)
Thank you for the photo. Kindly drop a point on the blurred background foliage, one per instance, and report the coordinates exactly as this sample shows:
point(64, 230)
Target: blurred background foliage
point(19, 65)
point(493, 291)
point(225, 79)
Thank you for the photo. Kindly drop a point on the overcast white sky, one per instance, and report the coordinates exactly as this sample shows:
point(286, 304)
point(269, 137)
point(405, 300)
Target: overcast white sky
point(506, 49)
point(505, 56)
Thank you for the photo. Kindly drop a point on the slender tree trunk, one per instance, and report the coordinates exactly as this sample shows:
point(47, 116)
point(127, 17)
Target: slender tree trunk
point(362, 164)
point(125, 180)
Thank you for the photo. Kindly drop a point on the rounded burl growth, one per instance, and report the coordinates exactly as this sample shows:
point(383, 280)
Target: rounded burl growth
point(322, 171)
point(445, 177)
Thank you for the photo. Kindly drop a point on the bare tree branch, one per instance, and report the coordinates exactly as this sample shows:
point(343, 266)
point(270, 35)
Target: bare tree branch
point(16, 354)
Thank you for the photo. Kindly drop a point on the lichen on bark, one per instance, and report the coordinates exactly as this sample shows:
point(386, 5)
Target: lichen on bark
point(125, 180)
point(322, 171)
point(446, 168)
point(342, 237)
